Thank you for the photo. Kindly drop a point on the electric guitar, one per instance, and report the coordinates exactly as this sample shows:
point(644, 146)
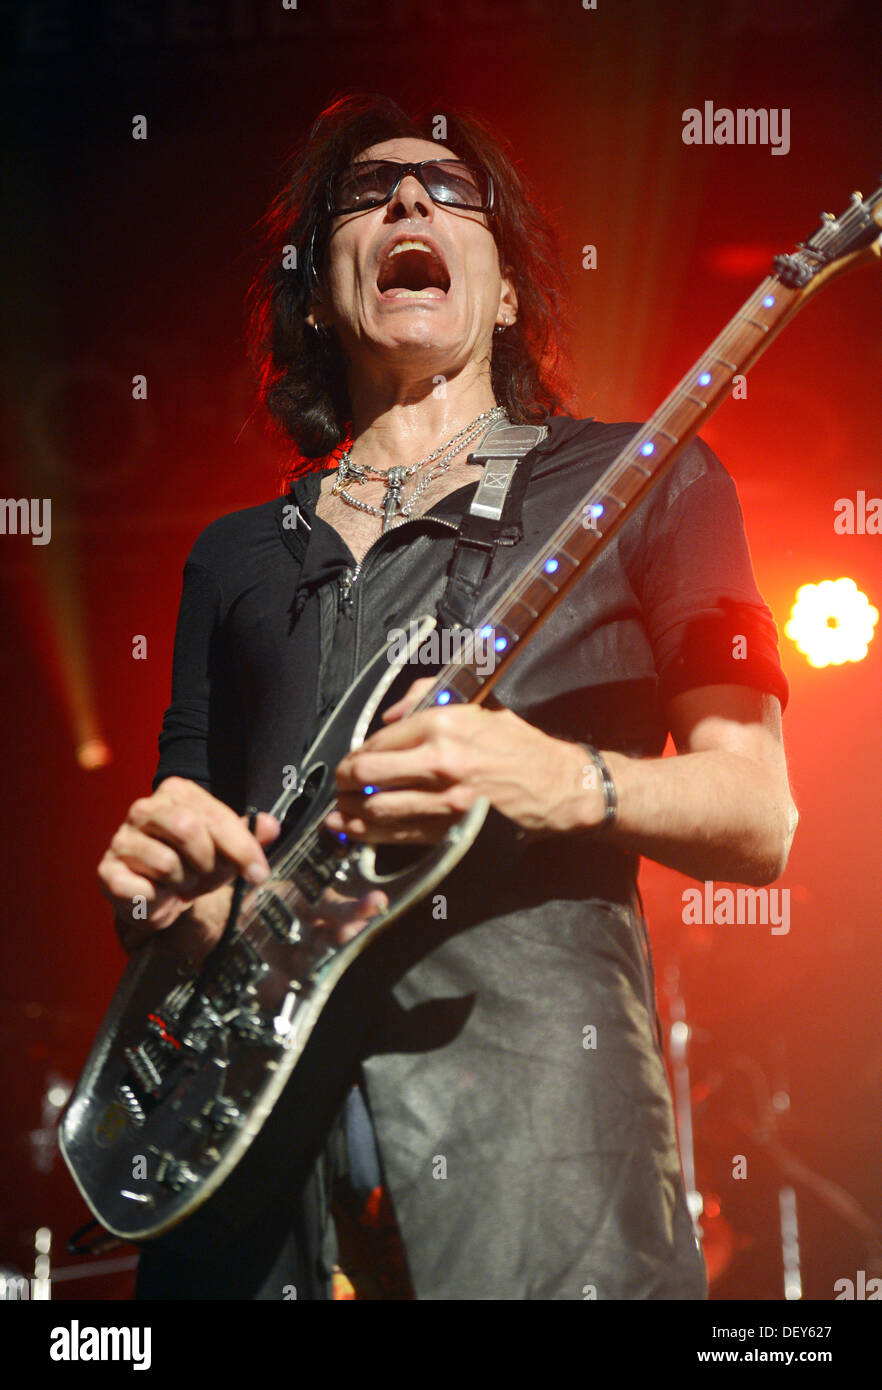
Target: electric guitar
point(190, 1062)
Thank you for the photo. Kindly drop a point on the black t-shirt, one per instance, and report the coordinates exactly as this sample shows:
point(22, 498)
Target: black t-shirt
point(559, 1158)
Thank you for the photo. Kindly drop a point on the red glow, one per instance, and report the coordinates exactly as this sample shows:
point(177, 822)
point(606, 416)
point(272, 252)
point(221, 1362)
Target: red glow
point(742, 258)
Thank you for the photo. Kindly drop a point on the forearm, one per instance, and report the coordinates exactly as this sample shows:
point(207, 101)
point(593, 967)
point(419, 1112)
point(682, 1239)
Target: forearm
point(711, 814)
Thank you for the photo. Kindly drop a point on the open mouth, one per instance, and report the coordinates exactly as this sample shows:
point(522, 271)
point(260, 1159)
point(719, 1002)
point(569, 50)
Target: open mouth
point(413, 269)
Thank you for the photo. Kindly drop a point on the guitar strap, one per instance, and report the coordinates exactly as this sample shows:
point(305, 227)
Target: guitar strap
point(493, 518)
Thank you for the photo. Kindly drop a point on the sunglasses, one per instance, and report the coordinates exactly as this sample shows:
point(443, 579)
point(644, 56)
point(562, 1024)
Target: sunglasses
point(372, 182)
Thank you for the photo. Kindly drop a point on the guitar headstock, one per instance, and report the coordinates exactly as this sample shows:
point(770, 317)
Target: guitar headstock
point(840, 243)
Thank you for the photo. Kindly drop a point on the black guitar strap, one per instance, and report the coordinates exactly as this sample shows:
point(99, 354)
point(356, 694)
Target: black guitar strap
point(494, 517)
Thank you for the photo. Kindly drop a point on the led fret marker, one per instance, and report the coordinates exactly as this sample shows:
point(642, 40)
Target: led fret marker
point(768, 301)
point(647, 449)
point(501, 643)
point(551, 566)
point(369, 791)
point(704, 379)
point(443, 698)
point(487, 631)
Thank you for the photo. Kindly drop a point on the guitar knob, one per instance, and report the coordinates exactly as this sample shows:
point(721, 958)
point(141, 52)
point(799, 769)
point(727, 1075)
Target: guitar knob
point(174, 1173)
point(222, 1114)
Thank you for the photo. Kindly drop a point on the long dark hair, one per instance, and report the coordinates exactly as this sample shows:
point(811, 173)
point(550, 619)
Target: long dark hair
point(301, 373)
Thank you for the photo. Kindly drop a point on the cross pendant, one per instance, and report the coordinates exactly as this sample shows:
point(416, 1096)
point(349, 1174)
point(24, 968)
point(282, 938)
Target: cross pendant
point(391, 502)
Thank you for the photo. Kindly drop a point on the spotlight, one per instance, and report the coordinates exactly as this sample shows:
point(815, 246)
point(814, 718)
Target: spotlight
point(94, 752)
point(832, 622)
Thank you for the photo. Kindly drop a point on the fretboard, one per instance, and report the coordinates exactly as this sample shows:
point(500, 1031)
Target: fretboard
point(638, 468)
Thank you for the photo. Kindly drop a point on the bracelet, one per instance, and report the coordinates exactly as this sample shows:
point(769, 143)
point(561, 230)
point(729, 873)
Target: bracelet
point(609, 790)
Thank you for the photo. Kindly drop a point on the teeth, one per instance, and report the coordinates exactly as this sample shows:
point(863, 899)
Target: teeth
point(386, 275)
point(411, 246)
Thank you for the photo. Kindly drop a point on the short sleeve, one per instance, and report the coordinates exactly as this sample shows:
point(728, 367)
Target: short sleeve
point(690, 565)
point(193, 743)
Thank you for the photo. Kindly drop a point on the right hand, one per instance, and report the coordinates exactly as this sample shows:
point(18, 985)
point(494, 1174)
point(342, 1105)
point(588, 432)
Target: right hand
point(175, 846)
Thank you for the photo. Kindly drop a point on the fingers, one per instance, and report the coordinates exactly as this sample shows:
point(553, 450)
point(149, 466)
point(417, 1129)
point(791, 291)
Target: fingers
point(422, 770)
point(266, 828)
point(430, 750)
point(144, 855)
point(462, 722)
point(140, 905)
point(119, 883)
point(407, 818)
point(179, 844)
point(407, 701)
point(344, 918)
point(203, 831)
point(422, 767)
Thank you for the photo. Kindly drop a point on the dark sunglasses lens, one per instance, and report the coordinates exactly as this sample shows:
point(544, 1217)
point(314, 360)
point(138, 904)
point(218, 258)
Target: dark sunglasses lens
point(369, 183)
point(364, 185)
point(458, 184)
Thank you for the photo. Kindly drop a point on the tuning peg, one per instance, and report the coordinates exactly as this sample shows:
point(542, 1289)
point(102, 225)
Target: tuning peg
point(857, 197)
point(828, 217)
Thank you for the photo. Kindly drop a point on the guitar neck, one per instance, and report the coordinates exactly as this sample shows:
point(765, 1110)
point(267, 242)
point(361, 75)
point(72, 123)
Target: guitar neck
point(636, 470)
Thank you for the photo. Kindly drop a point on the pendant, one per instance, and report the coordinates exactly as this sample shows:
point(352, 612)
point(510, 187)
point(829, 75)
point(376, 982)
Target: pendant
point(340, 481)
point(346, 473)
point(391, 502)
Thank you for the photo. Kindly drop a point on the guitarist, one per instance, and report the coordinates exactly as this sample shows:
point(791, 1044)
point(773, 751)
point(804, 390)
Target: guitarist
point(495, 1120)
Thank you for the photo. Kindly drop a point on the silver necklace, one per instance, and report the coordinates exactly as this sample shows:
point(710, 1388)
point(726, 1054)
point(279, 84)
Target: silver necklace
point(395, 478)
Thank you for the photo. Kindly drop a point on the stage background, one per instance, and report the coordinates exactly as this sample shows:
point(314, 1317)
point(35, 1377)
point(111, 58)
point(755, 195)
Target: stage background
point(123, 257)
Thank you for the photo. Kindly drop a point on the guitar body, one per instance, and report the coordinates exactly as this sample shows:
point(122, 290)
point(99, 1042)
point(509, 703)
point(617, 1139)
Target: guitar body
point(190, 1061)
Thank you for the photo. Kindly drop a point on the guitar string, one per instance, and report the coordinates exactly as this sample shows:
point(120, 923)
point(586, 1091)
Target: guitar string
point(606, 485)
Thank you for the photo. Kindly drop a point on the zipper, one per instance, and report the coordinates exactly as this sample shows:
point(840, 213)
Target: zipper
point(346, 580)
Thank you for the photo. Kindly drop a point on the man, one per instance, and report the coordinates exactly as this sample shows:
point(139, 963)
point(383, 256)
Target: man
point(496, 1086)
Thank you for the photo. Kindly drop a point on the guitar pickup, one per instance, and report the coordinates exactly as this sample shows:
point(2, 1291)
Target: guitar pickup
point(313, 874)
point(276, 915)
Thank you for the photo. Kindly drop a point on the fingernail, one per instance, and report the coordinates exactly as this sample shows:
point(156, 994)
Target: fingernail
point(257, 873)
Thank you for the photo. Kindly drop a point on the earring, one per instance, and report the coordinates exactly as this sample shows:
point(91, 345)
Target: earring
point(501, 327)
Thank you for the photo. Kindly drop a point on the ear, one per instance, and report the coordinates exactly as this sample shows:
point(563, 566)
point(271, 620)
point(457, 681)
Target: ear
point(507, 311)
point(318, 315)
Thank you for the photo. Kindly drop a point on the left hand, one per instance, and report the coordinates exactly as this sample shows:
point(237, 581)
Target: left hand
point(431, 768)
